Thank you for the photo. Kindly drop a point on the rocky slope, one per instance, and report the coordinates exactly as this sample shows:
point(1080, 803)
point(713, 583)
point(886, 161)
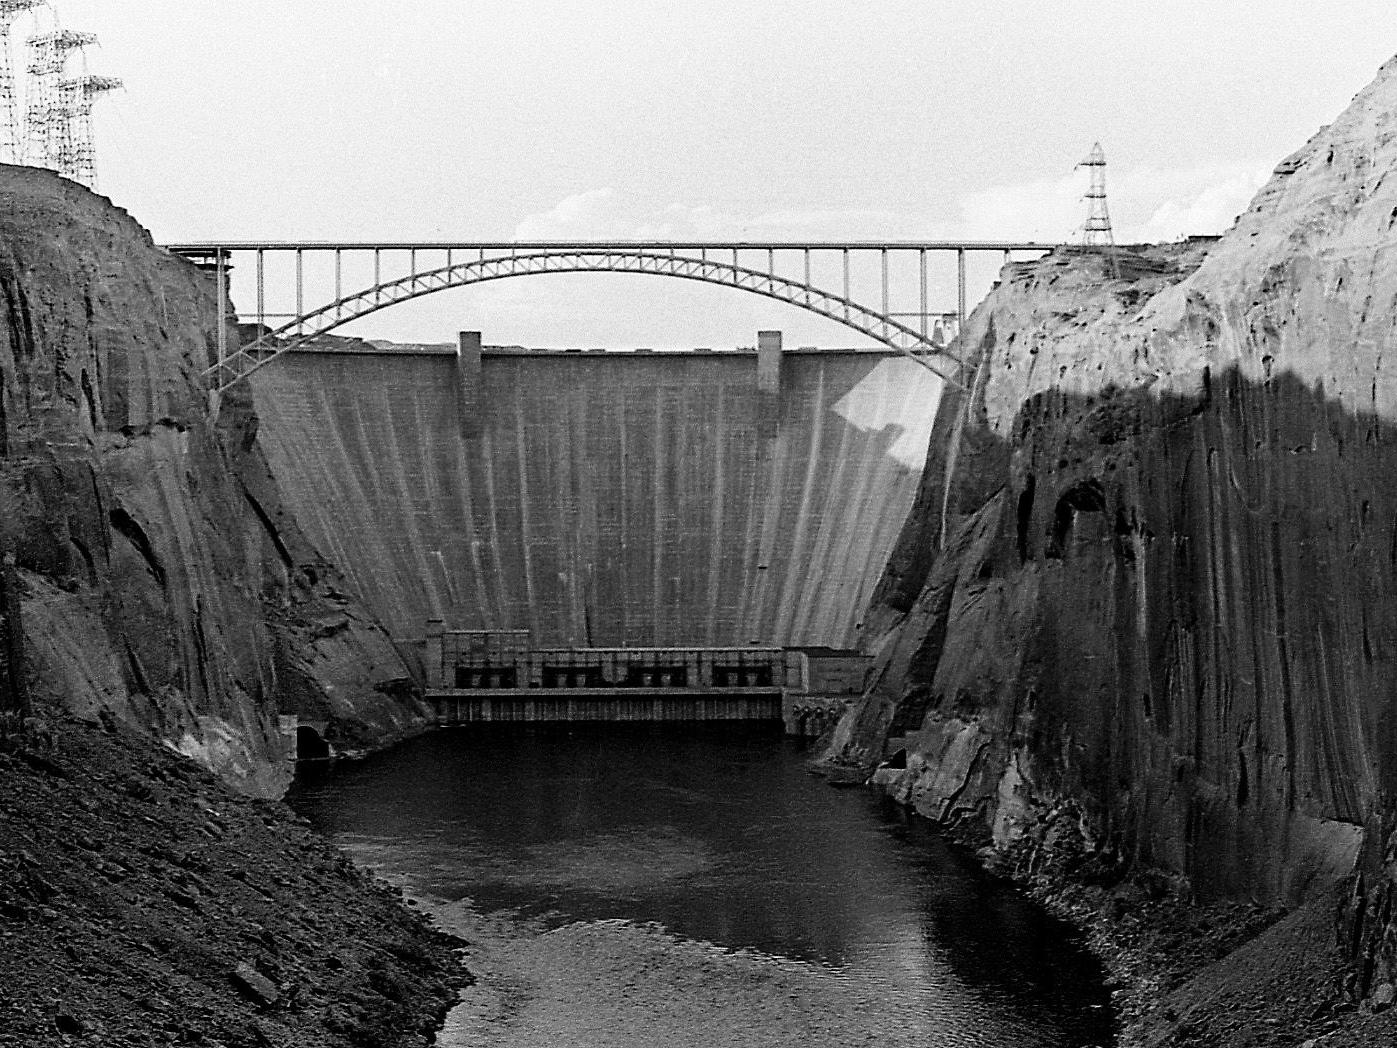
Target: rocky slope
point(1145, 610)
point(159, 578)
point(144, 902)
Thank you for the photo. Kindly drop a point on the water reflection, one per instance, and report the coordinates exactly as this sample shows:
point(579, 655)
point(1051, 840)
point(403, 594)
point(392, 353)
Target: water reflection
point(720, 835)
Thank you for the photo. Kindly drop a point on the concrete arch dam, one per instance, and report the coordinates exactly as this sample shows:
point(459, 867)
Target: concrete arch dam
point(603, 498)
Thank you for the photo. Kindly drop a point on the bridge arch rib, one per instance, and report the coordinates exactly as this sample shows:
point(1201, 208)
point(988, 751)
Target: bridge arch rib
point(321, 321)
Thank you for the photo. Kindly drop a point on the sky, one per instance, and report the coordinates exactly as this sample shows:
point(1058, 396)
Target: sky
point(779, 119)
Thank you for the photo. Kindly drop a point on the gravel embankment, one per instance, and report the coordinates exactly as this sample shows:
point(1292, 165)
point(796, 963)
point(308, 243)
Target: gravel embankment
point(142, 902)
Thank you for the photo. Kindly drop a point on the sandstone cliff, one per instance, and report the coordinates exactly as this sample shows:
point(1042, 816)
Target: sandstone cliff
point(161, 579)
point(1147, 600)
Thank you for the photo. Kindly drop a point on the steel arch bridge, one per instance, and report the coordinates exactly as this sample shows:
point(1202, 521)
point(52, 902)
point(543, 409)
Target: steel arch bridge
point(424, 268)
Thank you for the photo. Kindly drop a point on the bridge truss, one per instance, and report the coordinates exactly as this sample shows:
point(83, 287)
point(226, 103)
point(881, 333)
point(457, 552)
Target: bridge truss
point(303, 290)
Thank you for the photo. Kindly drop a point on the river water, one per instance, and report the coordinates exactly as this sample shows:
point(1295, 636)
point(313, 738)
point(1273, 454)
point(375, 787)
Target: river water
point(680, 884)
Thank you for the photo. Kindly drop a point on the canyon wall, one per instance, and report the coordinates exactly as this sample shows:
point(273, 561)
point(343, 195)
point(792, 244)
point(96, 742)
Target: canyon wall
point(1147, 599)
point(161, 582)
point(603, 498)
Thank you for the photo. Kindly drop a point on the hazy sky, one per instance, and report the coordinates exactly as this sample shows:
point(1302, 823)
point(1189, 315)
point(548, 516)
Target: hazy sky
point(770, 119)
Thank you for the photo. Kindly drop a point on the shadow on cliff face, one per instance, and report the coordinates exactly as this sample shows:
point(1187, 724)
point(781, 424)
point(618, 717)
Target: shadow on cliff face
point(1173, 613)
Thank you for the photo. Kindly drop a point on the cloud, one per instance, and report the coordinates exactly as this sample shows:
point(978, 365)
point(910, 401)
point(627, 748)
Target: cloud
point(1039, 210)
point(1208, 208)
point(602, 214)
point(1147, 204)
point(830, 224)
point(596, 214)
point(606, 214)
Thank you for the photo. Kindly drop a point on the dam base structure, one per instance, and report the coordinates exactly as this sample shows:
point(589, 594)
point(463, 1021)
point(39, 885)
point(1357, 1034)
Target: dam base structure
point(477, 676)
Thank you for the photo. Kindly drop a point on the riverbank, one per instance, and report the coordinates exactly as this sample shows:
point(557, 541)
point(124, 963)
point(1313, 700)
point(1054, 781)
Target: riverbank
point(1228, 974)
point(1225, 974)
point(144, 902)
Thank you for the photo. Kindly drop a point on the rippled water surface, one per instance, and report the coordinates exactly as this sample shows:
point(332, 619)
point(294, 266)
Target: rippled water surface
point(706, 869)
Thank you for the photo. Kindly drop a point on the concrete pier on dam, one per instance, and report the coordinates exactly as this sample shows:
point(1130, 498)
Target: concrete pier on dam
point(595, 499)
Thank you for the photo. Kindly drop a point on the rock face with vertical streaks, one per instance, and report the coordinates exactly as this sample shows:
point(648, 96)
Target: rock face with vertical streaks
point(163, 584)
point(1147, 598)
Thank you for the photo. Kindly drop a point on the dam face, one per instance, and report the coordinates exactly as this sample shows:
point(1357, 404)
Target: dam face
point(603, 498)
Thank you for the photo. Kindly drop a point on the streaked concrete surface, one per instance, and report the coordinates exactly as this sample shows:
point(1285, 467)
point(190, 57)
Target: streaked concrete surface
point(604, 498)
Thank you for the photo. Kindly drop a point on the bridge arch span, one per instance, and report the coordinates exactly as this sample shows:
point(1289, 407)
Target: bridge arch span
point(305, 327)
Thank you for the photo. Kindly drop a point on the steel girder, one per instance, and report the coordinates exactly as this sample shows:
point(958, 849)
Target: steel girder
point(314, 323)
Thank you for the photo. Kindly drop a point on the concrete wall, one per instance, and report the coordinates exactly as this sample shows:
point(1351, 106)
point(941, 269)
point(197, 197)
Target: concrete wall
point(603, 498)
point(835, 674)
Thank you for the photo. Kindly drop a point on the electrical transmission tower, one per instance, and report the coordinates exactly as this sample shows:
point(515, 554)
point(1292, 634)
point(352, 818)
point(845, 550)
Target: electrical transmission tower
point(77, 157)
point(11, 136)
point(47, 114)
point(1097, 231)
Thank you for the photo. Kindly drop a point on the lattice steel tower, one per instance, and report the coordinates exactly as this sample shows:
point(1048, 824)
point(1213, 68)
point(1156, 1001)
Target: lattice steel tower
point(12, 133)
point(47, 114)
point(77, 158)
point(1097, 231)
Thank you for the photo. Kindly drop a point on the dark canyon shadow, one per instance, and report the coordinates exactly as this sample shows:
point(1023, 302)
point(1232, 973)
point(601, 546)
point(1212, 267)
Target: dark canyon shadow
point(1178, 607)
